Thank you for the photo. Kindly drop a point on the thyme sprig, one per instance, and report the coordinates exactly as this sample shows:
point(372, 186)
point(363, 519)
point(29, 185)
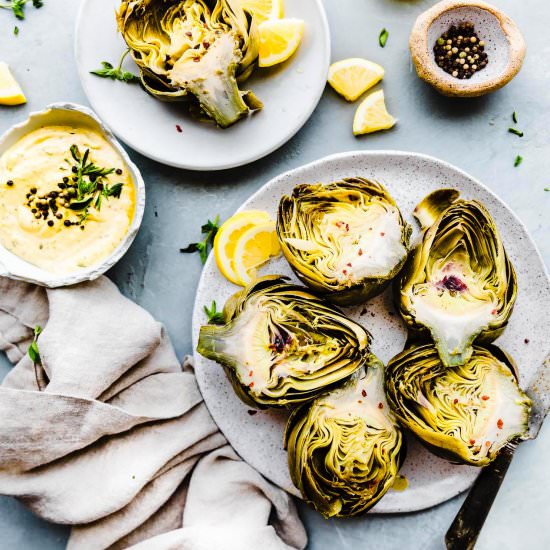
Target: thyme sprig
point(18, 6)
point(215, 317)
point(116, 73)
point(203, 247)
point(91, 187)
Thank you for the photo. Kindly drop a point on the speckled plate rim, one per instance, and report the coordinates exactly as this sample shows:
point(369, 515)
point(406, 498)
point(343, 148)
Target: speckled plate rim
point(294, 127)
point(445, 490)
point(24, 271)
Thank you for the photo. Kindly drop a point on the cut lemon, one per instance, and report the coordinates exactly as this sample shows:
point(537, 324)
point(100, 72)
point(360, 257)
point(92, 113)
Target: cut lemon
point(228, 236)
point(372, 115)
point(10, 91)
point(264, 9)
point(254, 248)
point(279, 39)
point(352, 77)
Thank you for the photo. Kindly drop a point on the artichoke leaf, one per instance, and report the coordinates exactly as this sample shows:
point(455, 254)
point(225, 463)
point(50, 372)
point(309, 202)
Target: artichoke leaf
point(465, 413)
point(345, 449)
point(432, 206)
point(283, 345)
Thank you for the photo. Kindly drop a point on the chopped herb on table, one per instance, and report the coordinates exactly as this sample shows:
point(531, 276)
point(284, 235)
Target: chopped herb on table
point(215, 317)
point(116, 73)
point(209, 229)
point(547, 188)
point(18, 7)
point(383, 37)
point(518, 161)
point(515, 117)
point(16, 30)
point(518, 133)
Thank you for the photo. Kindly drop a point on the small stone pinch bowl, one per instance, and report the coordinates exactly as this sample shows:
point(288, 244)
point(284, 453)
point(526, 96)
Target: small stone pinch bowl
point(70, 114)
point(504, 45)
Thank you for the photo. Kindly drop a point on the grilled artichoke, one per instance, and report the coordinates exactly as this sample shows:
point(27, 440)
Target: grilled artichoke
point(458, 285)
point(346, 240)
point(194, 48)
point(345, 449)
point(465, 413)
point(282, 345)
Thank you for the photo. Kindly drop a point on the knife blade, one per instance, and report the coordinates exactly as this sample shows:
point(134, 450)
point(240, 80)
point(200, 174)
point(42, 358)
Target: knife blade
point(465, 529)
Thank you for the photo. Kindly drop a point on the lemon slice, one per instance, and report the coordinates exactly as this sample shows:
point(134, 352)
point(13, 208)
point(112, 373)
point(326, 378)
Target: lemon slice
point(264, 9)
point(10, 91)
point(352, 77)
point(372, 115)
point(279, 39)
point(229, 234)
point(254, 248)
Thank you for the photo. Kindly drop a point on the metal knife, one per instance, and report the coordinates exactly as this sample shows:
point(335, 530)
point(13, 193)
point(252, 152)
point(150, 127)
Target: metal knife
point(467, 525)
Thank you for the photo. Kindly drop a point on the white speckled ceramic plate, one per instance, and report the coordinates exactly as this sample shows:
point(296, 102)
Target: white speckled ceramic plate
point(290, 92)
point(408, 177)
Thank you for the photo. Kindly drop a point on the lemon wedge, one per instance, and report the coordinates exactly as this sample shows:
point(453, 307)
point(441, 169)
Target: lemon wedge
point(264, 9)
point(279, 39)
point(10, 91)
point(228, 236)
point(254, 248)
point(372, 115)
point(352, 77)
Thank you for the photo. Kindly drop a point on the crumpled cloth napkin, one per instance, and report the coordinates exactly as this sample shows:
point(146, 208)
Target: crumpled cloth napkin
point(111, 434)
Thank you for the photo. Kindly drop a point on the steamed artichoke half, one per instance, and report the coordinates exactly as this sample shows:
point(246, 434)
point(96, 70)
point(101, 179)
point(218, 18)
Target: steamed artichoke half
point(465, 413)
point(283, 345)
point(194, 48)
point(345, 449)
point(346, 240)
point(458, 285)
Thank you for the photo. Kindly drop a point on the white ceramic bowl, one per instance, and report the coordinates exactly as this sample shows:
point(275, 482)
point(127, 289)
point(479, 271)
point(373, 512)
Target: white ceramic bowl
point(69, 114)
point(504, 45)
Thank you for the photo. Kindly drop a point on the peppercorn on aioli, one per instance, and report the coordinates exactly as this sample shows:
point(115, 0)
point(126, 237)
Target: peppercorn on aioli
point(38, 194)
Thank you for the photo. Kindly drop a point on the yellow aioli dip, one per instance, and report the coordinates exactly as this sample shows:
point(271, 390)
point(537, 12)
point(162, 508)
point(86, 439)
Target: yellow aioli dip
point(39, 160)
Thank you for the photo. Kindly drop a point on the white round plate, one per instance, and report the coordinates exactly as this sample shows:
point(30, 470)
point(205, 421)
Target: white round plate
point(409, 177)
point(290, 92)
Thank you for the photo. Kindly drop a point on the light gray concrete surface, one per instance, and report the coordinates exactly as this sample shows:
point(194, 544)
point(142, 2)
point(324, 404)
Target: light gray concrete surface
point(471, 134)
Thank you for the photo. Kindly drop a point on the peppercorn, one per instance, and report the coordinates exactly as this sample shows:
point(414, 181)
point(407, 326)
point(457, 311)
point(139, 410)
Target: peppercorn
point(50, 223)
point(67, 223)
point(74, 169)
point(65, 179)
point(34, 190)
point(118, 172)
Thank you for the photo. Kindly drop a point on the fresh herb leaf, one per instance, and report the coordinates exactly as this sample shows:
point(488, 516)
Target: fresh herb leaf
point(515, 117)
point(547, 188)
point(16, 30)
point(383, 37)
point(215, 317)
point(516, 132)
point(116, 73)
point(209, 229)
point(518, 161)
point(18, 8)
point(33, 351)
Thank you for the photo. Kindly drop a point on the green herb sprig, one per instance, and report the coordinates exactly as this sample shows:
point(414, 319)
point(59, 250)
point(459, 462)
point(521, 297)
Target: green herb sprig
point(515, 117)
point(203, 247)
point(215, 317)
point(91, 187)
point(515, 131)
point(34, 354)
point(383, 37)
point(18, 7)
point(116, 73)
point(518, 161)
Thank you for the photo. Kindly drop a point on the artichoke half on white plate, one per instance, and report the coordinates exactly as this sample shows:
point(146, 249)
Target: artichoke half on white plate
point(346, 240)
point(194, 50)
point(282, 345)
point(458, 286)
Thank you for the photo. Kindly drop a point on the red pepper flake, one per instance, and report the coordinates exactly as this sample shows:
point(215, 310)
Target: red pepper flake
point(196, 59)
point(487, 443)
point(472, 441)
point(251, 385)
point(206, 45)
point(455, 401)
point(189, 34)
point(347, 226)
point(349, 264)
point(251, 412)
point(382, 234)
point(485, 397)
point(380, 405)
point(526, 340)
point(500, 423)
point(363, 393)
point(339, 224)
point(360, 253)
point(251, 373)
point(494, 312)
point(345, 271)
point(179, 128)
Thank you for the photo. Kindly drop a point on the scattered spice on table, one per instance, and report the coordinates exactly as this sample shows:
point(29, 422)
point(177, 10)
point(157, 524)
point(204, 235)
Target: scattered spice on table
point(460, 52)
point(383, 37)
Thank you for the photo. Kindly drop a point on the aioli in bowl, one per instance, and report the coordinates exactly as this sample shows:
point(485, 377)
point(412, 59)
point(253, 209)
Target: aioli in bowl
point(67, 198)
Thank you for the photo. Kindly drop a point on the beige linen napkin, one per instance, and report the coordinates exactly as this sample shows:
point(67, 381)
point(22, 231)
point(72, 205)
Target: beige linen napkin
point(111, 434)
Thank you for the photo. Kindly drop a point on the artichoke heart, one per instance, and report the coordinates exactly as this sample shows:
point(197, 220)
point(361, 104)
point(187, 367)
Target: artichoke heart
point(283, 345)
point(465, 413)
point(196, 48)
point(345, 449)
point(346, 240)
point(459, 285)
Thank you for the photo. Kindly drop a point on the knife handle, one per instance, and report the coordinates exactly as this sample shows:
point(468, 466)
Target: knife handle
point(463, 532)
